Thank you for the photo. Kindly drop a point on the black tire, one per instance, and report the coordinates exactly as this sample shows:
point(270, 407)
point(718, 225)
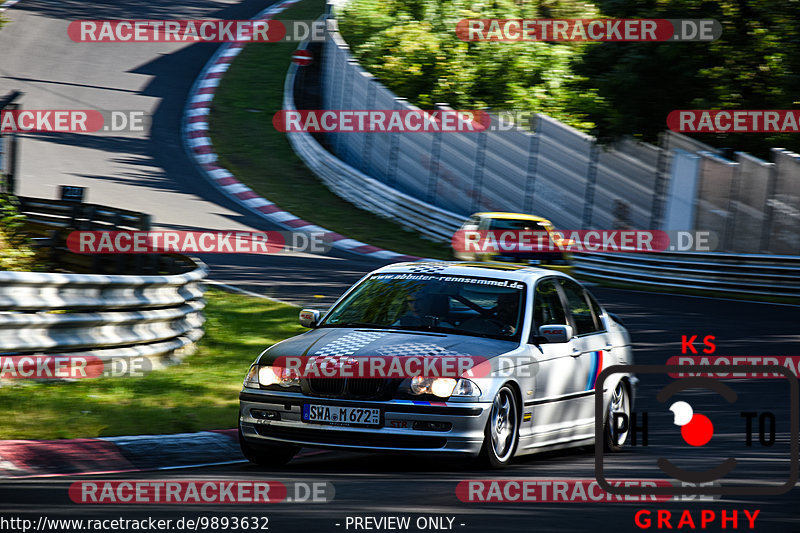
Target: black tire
point(620, 402)
point(501, 435)
point(267, 455)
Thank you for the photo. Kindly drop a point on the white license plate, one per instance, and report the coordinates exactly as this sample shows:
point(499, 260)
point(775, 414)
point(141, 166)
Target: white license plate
point(345, 416)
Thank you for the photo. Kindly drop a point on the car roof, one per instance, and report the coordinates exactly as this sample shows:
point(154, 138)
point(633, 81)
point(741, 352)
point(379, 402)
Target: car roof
point(510, 216)
point(467, 268)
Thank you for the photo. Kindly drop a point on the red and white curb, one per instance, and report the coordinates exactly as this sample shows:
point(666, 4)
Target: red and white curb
point(113, 455)
point(7, 4)
point(198, 144)
point(116, 455)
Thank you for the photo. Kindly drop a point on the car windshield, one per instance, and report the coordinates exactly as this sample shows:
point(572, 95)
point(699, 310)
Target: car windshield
point(483, 307)
point(515, 224)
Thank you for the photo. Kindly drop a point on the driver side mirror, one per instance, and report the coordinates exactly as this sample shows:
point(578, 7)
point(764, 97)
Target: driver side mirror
point(309, 318)
point(555, 333)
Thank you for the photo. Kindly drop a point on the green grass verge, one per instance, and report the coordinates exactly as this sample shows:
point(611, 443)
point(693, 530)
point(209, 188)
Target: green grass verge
point(257, 154)
point(199, 394)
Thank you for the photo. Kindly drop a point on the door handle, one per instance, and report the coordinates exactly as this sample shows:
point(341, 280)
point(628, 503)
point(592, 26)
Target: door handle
point(576, 352)
point(608, 347)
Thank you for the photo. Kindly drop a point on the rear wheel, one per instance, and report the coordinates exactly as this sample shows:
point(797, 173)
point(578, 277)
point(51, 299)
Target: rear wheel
point(268, 455)
point(501, 435)
point(620, 404)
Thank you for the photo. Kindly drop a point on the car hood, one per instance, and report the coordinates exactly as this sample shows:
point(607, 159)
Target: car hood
point(380, 342)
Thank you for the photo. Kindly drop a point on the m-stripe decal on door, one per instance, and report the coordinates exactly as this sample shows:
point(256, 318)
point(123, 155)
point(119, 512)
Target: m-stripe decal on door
point(594, 371)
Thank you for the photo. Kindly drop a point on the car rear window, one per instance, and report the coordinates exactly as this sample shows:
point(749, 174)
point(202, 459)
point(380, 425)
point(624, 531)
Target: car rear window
point(512, 224)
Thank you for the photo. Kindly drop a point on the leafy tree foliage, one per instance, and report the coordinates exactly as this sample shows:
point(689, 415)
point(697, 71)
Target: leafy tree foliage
point(16, 252)
point(754, 65)
point(411, 46)
point(607, 89)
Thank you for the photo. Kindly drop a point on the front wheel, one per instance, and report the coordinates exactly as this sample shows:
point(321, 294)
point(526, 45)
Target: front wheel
point(501, 435)
point(614, 437)
point(272, 455)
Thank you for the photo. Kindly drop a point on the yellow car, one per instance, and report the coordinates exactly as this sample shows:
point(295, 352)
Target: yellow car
point(499, 221)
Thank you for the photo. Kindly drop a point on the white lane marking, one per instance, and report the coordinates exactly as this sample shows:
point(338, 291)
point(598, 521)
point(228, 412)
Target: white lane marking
point(233, 288)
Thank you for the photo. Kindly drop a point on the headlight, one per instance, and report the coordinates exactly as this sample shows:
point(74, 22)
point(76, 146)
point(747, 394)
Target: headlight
point(444, 387)
point(465, 387)
point(267, 375)
point(251, 379)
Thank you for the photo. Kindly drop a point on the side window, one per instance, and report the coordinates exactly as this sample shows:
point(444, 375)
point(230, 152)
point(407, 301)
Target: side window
point(582, 314)
point(471, 224)
point(547, 307)
point(597, 310)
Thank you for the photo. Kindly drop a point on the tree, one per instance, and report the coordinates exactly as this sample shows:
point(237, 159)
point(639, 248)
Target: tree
point(754, 65)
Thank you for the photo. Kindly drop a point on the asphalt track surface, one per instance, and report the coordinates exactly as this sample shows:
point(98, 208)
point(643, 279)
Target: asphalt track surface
point(151, 172)
point(147, 171)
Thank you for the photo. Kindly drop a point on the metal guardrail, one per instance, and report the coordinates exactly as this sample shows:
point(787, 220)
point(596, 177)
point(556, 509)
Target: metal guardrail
point(733, 274)
point(49, 214)
point(110, 317)
point(113, 318)
point(49, 222)
point(364, 191)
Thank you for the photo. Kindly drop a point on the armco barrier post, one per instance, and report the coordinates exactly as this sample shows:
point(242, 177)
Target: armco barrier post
point(769, 215)
point(436, 152)
point(477, 176)
point(661, 184)
point(394, 146)
point(733, 203)
point(13, 149)
point(591, 178)
point(366, 155)
point(530, 173)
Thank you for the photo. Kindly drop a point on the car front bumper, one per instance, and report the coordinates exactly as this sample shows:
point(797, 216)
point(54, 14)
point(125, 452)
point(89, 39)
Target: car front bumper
point(268, 418)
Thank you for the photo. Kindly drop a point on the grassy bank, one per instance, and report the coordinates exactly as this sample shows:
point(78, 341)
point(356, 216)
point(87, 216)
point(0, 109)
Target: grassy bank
point(260, 156)
point(201, 393)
